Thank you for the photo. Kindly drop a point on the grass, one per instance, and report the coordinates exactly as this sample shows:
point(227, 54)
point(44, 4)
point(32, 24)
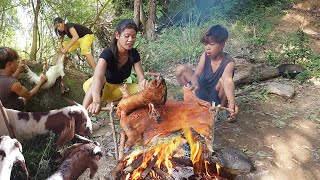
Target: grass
point(41, 158)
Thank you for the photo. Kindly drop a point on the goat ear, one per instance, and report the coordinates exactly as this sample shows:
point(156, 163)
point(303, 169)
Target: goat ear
point(66, 152)
point(67, 133)
point(17, 144)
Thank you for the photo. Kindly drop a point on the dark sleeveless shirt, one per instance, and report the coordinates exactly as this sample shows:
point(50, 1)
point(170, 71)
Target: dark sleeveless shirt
point(113, 74)
point(81, 30)
point(8, 98)
point(209, 80)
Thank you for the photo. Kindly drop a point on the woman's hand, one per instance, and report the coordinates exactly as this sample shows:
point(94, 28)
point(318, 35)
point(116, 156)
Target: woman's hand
point(94, 108)
point(143, 84)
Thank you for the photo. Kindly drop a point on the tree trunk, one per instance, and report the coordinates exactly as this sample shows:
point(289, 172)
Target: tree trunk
point(142, 17)
point(34, 46)
point(150, 26)
point(136, 12)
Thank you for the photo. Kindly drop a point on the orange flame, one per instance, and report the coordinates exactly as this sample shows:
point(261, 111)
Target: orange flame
point(163, 151)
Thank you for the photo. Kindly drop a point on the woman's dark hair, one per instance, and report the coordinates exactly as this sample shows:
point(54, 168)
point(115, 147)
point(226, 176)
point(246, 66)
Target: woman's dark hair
point(58, 20)
point(216, 33)
point(122, 25)
point(6, 55)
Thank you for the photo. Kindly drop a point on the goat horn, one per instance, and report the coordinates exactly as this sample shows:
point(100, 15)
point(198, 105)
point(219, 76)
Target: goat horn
point(82, 138)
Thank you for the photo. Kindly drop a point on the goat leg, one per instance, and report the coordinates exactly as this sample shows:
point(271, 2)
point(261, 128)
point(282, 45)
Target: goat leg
point(154, 114)
point(93, 169)
point(24, 168)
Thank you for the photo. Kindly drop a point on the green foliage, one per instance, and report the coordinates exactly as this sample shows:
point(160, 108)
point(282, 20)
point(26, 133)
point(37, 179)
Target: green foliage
point(178, 43)
point(294, 48)
point(41, 157)
point(303, 76)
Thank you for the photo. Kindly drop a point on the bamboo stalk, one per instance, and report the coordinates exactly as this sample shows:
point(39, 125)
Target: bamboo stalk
point(114, 132)
point(6, 120)
point(122, 142)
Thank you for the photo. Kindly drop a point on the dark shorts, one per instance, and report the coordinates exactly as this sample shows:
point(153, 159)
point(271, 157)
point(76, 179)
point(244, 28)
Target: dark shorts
point(208, 94)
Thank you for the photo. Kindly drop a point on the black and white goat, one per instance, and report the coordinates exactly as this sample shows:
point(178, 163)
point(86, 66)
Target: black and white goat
point(66, 122)
point(10, 153)
point(76, 159)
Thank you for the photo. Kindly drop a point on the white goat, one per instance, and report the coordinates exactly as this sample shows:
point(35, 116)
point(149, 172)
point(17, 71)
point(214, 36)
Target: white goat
point(53, 73)
point(10, 153)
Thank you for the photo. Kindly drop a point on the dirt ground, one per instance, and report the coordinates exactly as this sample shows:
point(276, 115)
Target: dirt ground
point(280, 135)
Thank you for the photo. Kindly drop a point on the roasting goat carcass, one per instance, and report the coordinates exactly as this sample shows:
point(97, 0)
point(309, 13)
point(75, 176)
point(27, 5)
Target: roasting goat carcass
point(139, 125)
point(155, 93)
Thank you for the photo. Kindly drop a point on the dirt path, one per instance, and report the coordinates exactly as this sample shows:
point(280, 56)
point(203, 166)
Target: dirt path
point(281, 136)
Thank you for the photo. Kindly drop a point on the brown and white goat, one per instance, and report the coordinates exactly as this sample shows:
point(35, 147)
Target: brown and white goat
point(76, 159)
point(10, 153)
point(66, 122)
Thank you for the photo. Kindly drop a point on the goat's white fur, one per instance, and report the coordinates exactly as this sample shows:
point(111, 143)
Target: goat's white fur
point(13, 154)
point(28, 129)
point(53, 73)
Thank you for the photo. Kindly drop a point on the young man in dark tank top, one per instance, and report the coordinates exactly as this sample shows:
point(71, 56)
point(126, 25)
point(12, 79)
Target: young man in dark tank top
point(212, 80)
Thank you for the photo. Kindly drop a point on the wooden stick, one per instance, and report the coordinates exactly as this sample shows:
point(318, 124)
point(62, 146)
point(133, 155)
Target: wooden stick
point(162, 174)
point(153, 73)
point(182, 161)
point(114, 132)
point(149, 167)
point(216, 110)
point(134, 165)
point(122, 142)
point(6, 120)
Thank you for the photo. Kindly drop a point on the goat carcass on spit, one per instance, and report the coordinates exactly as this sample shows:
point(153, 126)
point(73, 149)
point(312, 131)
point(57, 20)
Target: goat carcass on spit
point(139, 125)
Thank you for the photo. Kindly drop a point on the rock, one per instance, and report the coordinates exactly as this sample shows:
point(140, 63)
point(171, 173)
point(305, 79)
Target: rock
point(234, 159)
point(315, 81)
point(280, 89)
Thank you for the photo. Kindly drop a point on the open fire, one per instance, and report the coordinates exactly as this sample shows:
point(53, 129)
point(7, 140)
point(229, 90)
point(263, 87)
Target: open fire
point(156, 129)
point(158, 161)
